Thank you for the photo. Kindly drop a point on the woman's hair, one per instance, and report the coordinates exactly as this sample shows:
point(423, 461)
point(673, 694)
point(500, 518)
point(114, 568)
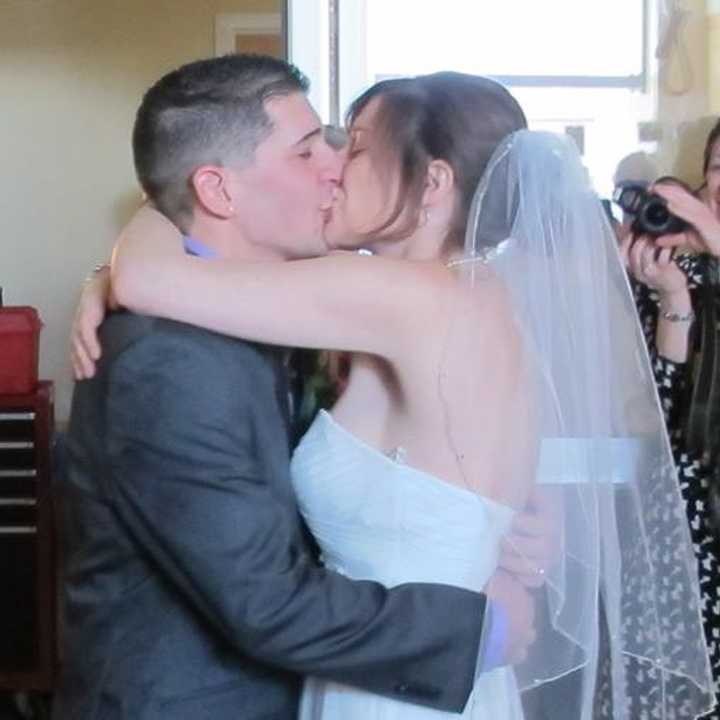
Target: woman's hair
point(712, 138)
point(447, 116)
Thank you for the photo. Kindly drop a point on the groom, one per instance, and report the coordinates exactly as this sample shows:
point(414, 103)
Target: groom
point(191, 586)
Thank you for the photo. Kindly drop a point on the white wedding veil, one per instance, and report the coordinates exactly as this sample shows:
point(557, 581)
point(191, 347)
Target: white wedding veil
point(618, 616)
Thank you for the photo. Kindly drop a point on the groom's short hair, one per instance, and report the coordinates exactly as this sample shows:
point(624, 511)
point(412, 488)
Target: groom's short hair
point(206, 112)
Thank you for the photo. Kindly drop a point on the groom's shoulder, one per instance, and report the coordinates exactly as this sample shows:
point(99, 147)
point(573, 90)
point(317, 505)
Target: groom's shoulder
point(127, 332)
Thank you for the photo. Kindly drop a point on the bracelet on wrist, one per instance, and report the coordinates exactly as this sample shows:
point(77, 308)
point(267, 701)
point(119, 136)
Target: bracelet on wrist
point(97, 270)
point(687, 317)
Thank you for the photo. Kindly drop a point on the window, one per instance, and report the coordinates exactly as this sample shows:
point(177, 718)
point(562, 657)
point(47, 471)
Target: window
point(576, 66)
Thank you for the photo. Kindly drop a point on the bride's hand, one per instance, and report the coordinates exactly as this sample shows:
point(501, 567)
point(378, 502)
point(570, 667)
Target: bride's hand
point(85, 348)
point(505, 590)
point(534, 540)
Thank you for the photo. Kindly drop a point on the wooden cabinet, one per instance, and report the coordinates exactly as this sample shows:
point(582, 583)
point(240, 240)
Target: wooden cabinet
point(28, 577)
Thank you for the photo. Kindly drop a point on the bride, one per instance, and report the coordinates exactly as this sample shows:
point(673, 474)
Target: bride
point(495, 355)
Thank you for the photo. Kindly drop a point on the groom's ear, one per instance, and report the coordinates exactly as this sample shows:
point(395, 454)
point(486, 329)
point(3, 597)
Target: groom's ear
point(213, 190)
point(439, 183)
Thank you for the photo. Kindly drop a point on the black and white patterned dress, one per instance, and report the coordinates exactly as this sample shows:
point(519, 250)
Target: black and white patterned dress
point(693, 474)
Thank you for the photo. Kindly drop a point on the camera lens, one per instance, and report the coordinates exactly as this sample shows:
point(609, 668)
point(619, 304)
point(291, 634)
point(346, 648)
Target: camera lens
point(656, 216)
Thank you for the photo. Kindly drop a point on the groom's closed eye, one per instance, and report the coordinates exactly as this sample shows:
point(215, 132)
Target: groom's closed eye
point(305, 145)
point(307, 149)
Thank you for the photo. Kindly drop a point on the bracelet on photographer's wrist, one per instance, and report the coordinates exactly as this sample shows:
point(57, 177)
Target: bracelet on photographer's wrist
point(675, 317)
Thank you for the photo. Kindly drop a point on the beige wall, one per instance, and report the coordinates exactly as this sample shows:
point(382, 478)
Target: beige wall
point(71, 75)
point(713, 55)
point(685, 117)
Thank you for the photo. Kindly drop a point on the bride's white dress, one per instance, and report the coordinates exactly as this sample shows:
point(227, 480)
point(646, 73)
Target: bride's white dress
point(376, 518)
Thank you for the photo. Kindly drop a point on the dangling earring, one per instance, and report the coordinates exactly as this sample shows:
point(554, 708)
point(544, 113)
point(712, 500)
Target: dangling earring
point(424, 215)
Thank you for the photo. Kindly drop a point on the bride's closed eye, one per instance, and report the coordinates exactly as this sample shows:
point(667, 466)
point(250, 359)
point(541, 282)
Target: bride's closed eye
point(356, 146)
point(355, 150)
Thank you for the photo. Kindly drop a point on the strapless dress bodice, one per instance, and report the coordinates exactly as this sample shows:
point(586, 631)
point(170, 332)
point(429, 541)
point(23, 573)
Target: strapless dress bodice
point(377, 518)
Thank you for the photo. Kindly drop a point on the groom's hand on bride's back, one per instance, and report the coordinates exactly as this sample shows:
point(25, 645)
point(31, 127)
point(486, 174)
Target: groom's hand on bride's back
point(511, 599)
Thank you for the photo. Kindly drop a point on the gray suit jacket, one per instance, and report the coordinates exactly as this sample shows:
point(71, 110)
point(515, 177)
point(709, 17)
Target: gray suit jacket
point(191, 590)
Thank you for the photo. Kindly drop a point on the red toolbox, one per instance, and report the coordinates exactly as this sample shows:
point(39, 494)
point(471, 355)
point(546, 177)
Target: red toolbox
point(19, 340)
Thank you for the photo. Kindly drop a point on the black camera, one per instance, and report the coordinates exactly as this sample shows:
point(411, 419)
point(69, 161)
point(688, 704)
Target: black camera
point(650, 211)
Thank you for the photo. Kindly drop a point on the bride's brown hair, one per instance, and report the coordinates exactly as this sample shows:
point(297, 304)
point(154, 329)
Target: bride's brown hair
point(448, 116)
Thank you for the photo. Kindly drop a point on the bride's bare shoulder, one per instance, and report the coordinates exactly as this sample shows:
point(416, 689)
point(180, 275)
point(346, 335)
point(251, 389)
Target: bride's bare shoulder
point(480, 291)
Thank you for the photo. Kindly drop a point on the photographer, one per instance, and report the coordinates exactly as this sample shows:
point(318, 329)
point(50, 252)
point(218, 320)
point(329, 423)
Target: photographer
point(678, 299)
